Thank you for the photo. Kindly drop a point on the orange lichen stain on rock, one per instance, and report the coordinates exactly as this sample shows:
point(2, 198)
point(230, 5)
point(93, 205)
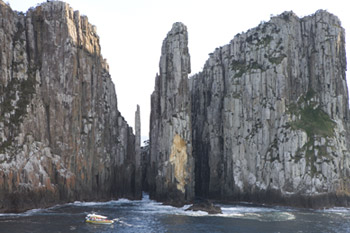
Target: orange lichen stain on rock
point(82, 176)
point(1, 179)
point(48, 184)
point(9, 181)
point(178, 159)
point(18, 180)
point(70, 181)
point(343, 187)
point(80, 165)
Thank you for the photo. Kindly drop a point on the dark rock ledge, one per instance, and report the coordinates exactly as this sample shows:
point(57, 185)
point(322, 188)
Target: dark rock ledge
point(205, 205)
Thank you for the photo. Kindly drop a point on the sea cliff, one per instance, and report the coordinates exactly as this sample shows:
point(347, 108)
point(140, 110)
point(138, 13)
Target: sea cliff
point(265, 121)
point(62, 137)
point(269, 116)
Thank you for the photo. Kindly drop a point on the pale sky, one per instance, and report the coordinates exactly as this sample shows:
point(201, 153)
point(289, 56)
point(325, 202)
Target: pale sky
point(131, 34)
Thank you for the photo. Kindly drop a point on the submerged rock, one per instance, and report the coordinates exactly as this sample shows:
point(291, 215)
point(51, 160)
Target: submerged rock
point(205, 205)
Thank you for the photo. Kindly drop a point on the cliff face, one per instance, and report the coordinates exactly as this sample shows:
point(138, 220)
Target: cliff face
point(270, 115)
point(62, 137)
point(170, 177)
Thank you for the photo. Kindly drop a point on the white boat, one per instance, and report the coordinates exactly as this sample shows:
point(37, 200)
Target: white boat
point(97, 219)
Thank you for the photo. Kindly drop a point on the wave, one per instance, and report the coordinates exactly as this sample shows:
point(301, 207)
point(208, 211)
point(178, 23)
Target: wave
point(92, 203)
point(148, 206)
point(7, 214)
point(339, 211)
point(27, 213)
point(336, 210)
point(247, 212)
point(261, 216)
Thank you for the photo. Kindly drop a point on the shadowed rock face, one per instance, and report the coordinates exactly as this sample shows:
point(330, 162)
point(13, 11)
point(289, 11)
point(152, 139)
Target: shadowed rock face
point(270, 115)
point(171, 172)
point(62, 137)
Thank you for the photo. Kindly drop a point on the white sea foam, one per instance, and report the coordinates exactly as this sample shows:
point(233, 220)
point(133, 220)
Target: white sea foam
point(245, 209)
point(337, 210)
point(27, 213)
point(33, 211)
point(147, 206)
point(79, 203)
point(7, 214)
point(257, 213)
point(93, 203)
point(265, 214)
point(340, 211)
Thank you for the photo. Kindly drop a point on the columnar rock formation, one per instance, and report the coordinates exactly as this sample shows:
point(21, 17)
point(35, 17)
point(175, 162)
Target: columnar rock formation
point(269, 119)
point(270, 115)
point(171, 173)
point(62, 137)
point(138, 165)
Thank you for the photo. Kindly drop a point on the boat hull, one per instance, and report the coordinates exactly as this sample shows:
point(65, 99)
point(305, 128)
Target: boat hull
point(103, 222)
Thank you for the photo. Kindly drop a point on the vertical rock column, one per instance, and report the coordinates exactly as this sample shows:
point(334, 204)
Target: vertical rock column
point(171, 162)
point(138, 168)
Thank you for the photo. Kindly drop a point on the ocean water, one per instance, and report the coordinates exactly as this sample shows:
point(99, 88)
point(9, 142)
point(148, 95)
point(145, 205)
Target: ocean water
point(150, 216)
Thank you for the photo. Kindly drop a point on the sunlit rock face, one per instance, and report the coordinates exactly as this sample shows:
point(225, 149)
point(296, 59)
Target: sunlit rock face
point(171, 172)
point(62, 137)
point(270, 115)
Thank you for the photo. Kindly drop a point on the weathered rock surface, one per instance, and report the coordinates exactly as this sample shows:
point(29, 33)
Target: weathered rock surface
point(270, 117)
point(138, 162)
point(205, 205)
point(171, 173)
point(62, 137)
point(145, 164)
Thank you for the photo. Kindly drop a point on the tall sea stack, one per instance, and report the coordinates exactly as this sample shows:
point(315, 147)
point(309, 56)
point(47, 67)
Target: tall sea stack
point(171, 173)
point(62, 137)
point(138, 163)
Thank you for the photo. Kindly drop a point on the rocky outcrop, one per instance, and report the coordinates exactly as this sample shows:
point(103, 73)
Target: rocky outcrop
point(205, 205)
point(62, 137)
point(270, 115)
point(171, 172)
